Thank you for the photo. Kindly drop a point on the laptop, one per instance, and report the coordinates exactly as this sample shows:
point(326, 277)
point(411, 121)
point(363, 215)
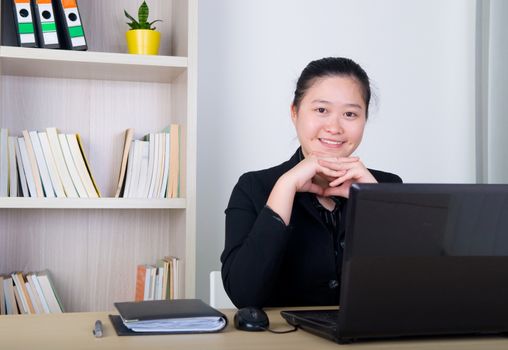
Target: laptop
point(419, 259)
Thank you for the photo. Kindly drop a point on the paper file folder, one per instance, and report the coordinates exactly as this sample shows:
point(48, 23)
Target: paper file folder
point(70, 29)
point(45, 25)
point(17, 23)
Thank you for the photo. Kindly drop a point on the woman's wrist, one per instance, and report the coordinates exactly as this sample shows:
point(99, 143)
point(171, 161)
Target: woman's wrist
point(281, 198)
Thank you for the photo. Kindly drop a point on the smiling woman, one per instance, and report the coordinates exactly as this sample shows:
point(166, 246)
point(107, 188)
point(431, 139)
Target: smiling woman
point(284, 225)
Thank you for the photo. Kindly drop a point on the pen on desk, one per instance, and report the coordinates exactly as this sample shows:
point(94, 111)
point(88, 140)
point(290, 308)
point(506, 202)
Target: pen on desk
point(97, 330)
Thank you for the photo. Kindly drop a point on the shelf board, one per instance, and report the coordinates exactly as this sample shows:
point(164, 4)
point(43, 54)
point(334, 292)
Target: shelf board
point(23, 61)
point(91, 203)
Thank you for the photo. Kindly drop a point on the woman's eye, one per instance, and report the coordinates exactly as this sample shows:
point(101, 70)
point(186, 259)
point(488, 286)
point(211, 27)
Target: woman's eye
point(321, 110)
point(350, 114)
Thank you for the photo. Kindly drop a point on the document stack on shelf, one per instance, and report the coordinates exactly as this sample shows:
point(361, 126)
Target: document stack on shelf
point(150, 167)
point(167, 316)
point(45, 164)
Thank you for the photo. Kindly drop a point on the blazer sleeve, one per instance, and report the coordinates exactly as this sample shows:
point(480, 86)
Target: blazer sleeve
point(255, 242)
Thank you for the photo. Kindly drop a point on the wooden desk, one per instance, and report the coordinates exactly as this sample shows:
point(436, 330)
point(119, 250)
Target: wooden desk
point(73, 331)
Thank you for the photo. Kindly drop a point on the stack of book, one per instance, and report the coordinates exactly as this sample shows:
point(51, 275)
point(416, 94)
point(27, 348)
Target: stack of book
point(158, 282)
point(45, 164)
point(150, 167)
point(30, 293)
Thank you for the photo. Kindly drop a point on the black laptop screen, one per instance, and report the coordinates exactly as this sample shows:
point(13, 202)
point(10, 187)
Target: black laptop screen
point(431, 220)
point(425, 259)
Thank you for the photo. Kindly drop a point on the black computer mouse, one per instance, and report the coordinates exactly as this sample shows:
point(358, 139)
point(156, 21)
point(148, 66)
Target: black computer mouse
point(251, 319)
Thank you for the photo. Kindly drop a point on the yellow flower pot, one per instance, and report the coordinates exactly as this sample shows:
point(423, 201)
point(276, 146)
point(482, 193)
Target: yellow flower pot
point(143, 41)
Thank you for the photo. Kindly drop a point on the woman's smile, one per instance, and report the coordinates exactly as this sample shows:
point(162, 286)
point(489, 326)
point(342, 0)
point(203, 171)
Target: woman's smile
point(330, 143)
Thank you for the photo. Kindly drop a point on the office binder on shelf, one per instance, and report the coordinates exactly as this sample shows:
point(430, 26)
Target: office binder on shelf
point(45, 25)
point(71, 34)
point(17, 23)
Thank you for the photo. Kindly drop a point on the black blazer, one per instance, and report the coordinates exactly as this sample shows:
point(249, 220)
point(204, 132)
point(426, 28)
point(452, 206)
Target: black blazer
point(265, 262)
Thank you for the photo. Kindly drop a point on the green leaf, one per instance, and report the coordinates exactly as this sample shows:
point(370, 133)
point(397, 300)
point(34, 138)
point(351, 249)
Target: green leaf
point(134, 22)
point(133, 25)
point(143, 13)
point(150, 24)
point(142, 22)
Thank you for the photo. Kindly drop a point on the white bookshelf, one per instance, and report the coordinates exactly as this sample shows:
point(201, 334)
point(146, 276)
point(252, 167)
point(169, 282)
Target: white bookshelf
point(92, 246)
point(30, 62)
point(92, 203)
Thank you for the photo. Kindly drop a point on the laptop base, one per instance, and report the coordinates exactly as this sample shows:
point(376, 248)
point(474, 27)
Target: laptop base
point(322, 323)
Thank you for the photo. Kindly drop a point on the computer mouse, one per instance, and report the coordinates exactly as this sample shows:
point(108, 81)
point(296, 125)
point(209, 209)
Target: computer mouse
point(251, 319)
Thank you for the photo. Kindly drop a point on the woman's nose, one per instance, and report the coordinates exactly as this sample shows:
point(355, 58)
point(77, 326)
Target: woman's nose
point(334, 125)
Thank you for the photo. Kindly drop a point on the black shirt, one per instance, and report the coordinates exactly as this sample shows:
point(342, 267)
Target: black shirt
point(265, 262)
point(332, 219)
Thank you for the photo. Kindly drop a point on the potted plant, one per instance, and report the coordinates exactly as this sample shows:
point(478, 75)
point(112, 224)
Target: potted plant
point(142, 38)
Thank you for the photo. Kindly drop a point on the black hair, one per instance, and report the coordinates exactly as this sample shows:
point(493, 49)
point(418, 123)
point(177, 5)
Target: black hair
point(332, 66)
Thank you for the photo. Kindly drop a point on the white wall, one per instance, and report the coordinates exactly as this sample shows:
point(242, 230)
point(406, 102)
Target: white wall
point(419, 55)
point(498, 93)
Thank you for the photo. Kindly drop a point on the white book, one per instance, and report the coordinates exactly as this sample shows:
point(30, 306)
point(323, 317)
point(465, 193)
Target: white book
point(173, 190)
point(76, 180)
point(129, 133)
point(160, 279)
point(10, 300)
point(165, 278)
point(153, 273)
point(33, 164)
point(21, 170)
point(52, 168)
point(63, 172)
point(2, 297)
point(128, 176)
point(148, 282)
point(32, 278)
point(162, 156)
point(17, 285)
point(27, 167)
point(87, 164)
point(49, 294)
point(4, 163)
point(176, 265)
point(41, 163)
point(146, 293)
point(155, 167)
point(143, 170)
point(13, 167)
point(136, 168)
point(151, 156)
point(79, 161)
point(34, 298)
point(165, 174)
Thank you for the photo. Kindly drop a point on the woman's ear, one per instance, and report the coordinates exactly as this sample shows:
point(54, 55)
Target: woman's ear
point(292, 110)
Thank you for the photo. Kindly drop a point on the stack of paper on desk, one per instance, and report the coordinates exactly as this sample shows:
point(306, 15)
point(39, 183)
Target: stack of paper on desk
point(193, 324)
point(167, 316)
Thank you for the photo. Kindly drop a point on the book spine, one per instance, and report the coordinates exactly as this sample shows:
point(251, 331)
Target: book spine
point(33, 164)
point(140, 283)
point(13, 169)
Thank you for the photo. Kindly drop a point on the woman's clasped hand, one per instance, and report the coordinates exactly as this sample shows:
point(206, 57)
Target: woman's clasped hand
point(327, 175)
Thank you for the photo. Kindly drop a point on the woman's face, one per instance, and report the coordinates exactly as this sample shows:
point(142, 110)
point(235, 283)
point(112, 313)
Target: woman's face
point(331, 117)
